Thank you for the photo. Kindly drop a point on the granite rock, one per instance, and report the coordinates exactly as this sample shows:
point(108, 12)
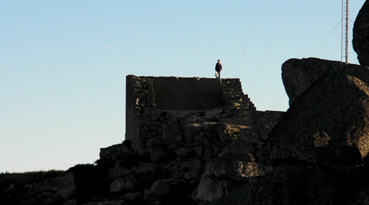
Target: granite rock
point(328, 123)
point(360, 39)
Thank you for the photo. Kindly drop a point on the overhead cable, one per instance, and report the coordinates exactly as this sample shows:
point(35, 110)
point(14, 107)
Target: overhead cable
point(328, 37)
point(270, 44)
point(248, 40)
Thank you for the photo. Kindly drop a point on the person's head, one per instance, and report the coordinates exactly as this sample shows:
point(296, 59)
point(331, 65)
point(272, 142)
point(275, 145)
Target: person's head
point(218, 60)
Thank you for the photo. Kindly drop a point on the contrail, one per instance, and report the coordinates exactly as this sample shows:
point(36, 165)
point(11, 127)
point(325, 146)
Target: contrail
point(107, 46)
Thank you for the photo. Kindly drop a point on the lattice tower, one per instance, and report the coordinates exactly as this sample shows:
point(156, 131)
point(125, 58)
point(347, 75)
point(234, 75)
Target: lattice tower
point(344, 31)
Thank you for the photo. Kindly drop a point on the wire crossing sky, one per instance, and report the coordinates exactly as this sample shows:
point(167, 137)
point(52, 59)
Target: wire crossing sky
point(63, 63)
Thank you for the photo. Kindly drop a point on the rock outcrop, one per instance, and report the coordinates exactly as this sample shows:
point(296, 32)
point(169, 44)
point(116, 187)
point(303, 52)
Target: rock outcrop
point(299, 74)
point(319, 148)
point(335, 130)
point(189, 154)
point(360, 40)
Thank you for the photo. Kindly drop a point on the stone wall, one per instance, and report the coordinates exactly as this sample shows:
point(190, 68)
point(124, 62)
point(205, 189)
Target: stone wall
point(144, 95)
point(186, 93)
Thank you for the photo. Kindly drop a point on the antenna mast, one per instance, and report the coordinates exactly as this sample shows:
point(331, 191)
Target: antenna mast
point(344, 31)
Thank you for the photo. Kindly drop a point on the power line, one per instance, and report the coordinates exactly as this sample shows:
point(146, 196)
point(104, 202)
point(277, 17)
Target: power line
point(327, 37)
point(252, 31)
point(278, 101)
point(270, 44)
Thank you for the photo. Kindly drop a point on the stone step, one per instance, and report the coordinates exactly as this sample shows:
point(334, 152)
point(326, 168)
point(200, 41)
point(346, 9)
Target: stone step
point(234, 95)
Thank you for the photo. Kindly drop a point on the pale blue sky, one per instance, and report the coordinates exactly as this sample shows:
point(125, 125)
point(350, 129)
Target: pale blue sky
point(63, 63)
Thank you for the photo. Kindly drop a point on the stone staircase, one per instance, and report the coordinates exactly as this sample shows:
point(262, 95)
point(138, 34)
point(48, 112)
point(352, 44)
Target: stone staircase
point(234, 96)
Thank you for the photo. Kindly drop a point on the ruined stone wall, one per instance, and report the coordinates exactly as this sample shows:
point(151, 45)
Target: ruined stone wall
point(144, 95)
point(186, 93)
point(167, 93)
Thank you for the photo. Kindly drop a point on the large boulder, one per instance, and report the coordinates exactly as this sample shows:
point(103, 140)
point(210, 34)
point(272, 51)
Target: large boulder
point(360, 40)
point(299, 74)
point(327, 123)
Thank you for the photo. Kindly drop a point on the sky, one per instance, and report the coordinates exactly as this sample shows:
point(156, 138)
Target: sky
point(63, 63)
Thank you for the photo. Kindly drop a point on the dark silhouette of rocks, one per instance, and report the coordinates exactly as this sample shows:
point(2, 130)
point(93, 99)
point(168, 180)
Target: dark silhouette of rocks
point(329, 122)
point(299, 74)
point(360, 40)
point(319, 148)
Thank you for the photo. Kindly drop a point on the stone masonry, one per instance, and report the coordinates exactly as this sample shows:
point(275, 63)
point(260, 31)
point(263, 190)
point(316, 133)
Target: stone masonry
point(149, 94)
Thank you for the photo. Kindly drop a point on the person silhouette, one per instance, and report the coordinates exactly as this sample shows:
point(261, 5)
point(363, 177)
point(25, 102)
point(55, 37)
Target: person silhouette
point(218, 68)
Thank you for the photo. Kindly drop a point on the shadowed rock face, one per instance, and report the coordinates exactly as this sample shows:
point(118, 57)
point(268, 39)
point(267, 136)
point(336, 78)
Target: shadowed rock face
point(299, 74)
point(360, 40)
point(329, 122)
point(319, 148)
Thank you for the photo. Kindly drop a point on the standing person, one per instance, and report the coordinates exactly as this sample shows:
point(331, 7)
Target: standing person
point(218, 68)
